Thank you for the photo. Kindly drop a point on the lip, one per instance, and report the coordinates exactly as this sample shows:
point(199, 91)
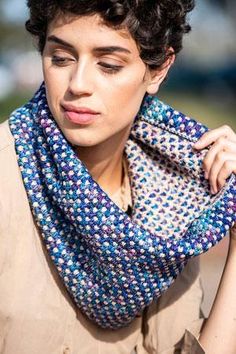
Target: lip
point(79, 115)
point(71, 108)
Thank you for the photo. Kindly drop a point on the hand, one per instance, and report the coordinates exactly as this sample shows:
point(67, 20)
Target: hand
point(220, 161)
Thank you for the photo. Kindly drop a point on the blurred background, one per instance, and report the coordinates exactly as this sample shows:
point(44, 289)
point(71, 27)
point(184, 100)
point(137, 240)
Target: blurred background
point(202, 83)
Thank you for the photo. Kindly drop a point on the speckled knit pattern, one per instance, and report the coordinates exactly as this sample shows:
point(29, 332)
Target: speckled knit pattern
point(113, 266)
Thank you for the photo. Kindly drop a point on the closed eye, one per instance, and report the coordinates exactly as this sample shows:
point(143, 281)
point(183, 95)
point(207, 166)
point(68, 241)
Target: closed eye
point(109, 68)
point(61, 61)
point(64, 61)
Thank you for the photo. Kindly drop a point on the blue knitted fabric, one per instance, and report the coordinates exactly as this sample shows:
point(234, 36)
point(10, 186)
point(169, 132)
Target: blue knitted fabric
point(114, 265)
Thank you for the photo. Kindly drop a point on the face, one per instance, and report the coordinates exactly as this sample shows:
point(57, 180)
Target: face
point(95, 79)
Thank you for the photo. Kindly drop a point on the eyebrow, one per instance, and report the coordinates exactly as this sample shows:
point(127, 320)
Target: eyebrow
point(57, 40)
point(111, 49)
point(97, 50)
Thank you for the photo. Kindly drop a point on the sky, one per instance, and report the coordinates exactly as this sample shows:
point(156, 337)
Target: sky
point(15, 10)
point(211, 44)
point(201, 47)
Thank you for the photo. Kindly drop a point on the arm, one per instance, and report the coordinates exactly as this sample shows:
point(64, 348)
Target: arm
point(218, 336)
point(219, 333)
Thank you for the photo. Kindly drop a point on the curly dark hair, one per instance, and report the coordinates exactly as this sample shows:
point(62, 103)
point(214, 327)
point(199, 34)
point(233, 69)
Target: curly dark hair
point(155, 25)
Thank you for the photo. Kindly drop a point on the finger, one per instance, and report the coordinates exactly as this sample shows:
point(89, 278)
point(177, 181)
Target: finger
point(223, 166)
point(212, 135)
point(233, 232)
point(222, 144)
point(227, 169)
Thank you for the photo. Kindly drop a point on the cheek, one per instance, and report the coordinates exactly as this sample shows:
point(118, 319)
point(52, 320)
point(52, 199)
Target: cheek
point(130, 85)
point(55, 81)
point(125, 97)
point(55, 91)
point(130, 80)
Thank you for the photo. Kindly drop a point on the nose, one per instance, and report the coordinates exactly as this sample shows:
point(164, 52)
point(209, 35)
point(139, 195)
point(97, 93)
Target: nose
point(81, 80)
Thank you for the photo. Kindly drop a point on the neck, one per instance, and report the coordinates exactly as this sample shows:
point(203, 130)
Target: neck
point(104, 161)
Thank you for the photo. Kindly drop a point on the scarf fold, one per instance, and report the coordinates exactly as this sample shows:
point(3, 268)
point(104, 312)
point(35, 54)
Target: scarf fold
point(111, 264)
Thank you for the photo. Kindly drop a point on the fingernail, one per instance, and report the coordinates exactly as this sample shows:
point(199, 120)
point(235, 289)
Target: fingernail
point(212, 190)
point(198, 144)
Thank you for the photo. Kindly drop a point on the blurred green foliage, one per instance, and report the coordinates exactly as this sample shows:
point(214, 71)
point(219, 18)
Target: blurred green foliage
point(12, 102)
point(204, 110)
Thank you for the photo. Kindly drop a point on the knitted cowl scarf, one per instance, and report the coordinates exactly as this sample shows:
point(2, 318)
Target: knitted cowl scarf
point(114, 265)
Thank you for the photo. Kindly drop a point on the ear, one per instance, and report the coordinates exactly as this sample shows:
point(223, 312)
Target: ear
point(157, 76)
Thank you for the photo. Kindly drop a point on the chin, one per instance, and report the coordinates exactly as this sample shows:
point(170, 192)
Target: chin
point(78, 140)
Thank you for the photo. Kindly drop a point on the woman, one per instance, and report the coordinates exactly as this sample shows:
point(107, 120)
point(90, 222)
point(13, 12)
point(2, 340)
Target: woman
point(88, 138)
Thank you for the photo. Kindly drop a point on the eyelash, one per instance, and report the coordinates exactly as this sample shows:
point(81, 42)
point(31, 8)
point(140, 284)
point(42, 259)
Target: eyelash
point(107, 68)
point(110, 69)
point(60, 61)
